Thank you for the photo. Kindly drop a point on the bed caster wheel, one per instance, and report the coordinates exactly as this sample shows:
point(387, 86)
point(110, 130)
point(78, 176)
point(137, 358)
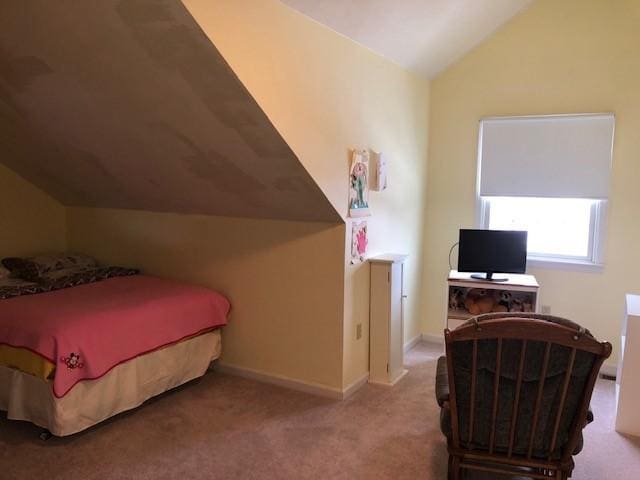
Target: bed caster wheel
point(45, 435)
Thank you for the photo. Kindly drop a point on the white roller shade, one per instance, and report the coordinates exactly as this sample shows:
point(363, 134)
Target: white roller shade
point(565, 156)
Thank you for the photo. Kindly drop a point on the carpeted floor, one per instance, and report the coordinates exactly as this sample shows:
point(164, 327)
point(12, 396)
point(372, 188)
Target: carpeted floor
point(226, 427)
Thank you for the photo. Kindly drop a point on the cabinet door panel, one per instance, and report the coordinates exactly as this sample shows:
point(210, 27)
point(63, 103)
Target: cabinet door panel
point(379, 326)
point(396, 342)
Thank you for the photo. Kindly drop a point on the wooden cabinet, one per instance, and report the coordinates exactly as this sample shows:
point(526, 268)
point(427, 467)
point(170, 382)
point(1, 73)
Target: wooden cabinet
point(518, 294)
point(386, 323)
point(627, 379)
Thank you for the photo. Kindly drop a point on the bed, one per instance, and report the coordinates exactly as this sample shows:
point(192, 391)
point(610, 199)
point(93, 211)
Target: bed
point(74, 352)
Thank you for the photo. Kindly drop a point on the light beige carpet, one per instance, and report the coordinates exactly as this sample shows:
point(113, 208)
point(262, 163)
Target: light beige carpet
point(226, 427)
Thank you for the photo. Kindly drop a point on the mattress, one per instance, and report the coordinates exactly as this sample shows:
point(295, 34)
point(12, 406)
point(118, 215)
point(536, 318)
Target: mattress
point(26, 361)
point(26, 397)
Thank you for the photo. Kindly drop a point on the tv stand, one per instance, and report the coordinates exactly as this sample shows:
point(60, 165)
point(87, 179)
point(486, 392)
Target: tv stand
point(516, 293)
point(488, 277)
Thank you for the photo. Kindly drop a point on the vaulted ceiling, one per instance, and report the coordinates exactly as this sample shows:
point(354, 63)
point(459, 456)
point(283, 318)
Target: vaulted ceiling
point(425, 36)
point(127, 104)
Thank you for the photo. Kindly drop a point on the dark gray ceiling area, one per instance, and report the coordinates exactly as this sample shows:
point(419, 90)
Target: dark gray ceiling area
point(128, 104)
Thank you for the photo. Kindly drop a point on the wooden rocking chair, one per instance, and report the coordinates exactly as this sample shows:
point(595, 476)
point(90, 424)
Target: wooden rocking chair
point(514, 391)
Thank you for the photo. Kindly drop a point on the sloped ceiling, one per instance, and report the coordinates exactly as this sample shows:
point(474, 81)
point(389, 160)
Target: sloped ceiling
point(425, 36)
point(127, 104)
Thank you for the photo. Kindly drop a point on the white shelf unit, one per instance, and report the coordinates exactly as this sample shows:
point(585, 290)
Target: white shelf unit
point(386, 342)
point(524, 288)
point(627, 379)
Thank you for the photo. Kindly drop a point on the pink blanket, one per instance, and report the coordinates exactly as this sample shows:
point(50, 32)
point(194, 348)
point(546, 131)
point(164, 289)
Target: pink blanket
point(87, 330)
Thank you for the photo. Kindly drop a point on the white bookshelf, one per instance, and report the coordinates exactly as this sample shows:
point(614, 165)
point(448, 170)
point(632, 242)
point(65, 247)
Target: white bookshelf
point(524, 288)
point(627, 379)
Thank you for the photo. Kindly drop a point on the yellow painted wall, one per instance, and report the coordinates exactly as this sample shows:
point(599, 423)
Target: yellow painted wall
point(559, 56)
point(326, 94)
point(284, 280)
point(31, 222)
point(296, 299)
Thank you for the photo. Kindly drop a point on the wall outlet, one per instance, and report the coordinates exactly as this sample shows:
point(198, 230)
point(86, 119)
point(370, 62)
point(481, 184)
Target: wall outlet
point(358, 331)
point(545, 309)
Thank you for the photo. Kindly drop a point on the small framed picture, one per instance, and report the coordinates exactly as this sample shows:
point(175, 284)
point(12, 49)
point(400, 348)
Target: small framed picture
point(359, 184)
point(359, 242)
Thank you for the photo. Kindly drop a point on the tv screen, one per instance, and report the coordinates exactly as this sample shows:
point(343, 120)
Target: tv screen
point(492, 251)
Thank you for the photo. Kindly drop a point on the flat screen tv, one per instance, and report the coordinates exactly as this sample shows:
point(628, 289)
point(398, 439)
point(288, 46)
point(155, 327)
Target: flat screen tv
point(486, 252)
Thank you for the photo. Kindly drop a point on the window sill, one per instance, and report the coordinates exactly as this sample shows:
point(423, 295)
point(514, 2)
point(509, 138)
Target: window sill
point(565, 264)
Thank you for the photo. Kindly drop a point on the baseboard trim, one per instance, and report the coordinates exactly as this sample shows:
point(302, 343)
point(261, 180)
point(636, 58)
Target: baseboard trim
point(412, 343)
point(281, 381)
point(609, 369)
point(392, 383)
point(431, 338)
point(355, 386)
point(294, 384)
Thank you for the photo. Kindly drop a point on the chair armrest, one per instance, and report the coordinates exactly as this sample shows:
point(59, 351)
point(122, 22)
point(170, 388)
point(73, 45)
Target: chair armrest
point(442, 382)
point(589, 416)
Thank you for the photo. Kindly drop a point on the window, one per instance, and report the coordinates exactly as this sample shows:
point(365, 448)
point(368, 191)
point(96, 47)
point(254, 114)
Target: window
point(560, 229)
point(548, 175)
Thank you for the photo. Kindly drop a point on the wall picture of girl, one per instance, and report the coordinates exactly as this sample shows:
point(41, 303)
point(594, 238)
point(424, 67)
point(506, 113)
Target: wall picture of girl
point(359, 184)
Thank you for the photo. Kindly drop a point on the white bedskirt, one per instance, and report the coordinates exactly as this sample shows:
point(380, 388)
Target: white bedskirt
point(25, 397)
